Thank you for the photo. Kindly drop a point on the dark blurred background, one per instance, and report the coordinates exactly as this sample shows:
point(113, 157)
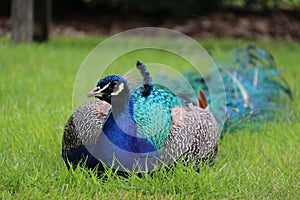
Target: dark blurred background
point(262, 19)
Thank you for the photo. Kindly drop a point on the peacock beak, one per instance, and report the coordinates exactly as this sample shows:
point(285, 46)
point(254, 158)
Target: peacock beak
point(96, 92)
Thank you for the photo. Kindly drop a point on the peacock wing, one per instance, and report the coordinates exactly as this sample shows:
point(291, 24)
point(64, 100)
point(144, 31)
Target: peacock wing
point(85, 125)
point(193, 135)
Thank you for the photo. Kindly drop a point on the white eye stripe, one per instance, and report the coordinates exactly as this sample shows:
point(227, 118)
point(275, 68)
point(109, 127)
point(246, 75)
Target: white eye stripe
point(120, 88)
point(105, 86)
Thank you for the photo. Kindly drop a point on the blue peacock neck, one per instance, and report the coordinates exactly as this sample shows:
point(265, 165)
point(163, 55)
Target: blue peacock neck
point(122, 104)
point(120, 126)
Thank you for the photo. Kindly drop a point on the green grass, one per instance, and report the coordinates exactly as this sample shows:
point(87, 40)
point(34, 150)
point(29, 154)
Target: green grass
point(36, 100)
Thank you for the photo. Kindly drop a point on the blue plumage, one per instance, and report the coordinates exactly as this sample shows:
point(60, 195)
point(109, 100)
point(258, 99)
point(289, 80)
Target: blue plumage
point(124, 135)
point(120, 140)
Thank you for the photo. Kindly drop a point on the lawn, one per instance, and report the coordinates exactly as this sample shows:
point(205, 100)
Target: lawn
point(36, 101)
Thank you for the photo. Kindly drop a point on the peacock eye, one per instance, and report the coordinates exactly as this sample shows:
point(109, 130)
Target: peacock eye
point(118, 89)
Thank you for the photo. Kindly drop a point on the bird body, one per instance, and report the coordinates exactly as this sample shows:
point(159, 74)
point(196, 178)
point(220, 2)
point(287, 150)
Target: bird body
point(140, 131)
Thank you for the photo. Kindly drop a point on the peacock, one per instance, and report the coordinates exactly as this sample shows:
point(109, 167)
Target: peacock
point(139, 129)
point(166, 127)
point(255, 90)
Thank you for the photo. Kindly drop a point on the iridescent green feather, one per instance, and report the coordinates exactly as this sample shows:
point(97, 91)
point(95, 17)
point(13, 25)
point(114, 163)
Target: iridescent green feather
point(152, 113)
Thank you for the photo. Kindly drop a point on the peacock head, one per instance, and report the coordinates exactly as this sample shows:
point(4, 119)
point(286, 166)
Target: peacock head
point(108, 87)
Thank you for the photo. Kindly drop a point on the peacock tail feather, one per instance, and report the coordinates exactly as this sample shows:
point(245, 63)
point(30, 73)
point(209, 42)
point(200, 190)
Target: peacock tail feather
point(255, 90)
